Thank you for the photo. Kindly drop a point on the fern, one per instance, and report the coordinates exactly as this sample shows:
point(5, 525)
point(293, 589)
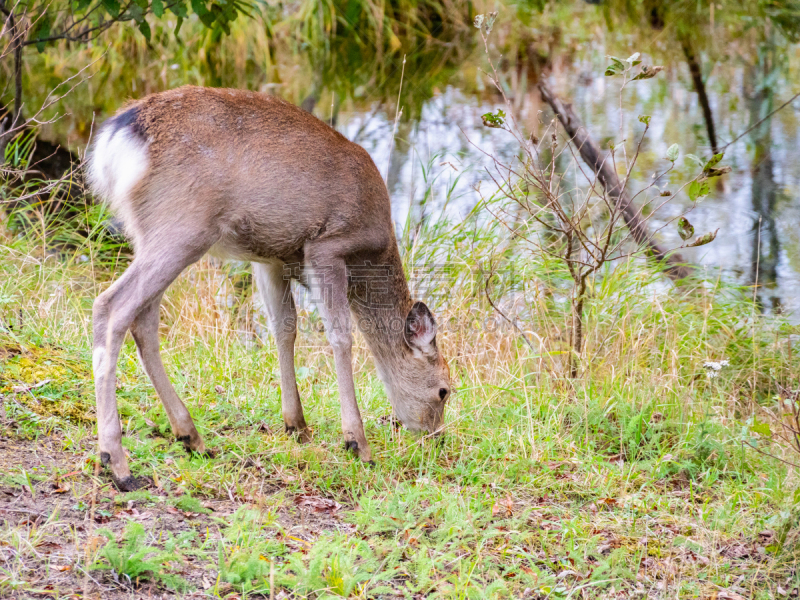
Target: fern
point(135, 561)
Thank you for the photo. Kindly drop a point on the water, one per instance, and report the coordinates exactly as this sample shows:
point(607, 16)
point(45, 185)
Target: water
point(755, 207)
point(439, 136)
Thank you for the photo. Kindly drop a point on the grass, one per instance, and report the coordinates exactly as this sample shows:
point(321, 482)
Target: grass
point(644, 477)
point(632, 481)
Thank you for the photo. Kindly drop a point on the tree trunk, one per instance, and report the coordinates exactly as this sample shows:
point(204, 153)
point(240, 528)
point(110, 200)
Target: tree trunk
point(10, 125)
point(700, 87)
point(17, 74)
point(676, 268)
point(577, 334)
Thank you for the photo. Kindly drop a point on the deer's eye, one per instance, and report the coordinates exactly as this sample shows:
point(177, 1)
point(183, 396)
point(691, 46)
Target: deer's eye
point(442, 393)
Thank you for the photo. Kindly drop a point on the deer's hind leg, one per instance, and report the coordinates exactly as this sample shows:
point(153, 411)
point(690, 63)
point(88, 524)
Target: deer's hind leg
point(145, 332)
point(155, 266)
point(276, 294)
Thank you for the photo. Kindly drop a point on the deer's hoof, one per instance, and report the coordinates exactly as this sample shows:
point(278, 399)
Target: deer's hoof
point(302, 433)
point(126, 484)
point(194, 446)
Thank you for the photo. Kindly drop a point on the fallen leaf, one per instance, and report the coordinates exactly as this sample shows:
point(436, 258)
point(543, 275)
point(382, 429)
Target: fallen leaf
point(62, 567)
point(411, 539)
point(766, 535)
point(727, 595)
point(569, 573)
point(219, 389)
point(503, 508)
point(317, 503)
point(20, 389)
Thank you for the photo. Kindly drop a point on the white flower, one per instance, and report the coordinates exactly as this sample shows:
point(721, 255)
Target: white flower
point(713, 368)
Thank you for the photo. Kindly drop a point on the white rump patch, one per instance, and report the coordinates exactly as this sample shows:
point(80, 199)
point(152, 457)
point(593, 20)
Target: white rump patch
point(117, 162)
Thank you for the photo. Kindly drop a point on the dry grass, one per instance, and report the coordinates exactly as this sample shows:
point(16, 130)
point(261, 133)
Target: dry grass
point(630, 480)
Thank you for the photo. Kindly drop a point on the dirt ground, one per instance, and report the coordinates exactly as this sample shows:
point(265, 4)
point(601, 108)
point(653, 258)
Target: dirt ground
point(51, 525)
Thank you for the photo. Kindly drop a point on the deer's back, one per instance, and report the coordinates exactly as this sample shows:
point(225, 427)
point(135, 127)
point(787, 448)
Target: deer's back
point(265, 176)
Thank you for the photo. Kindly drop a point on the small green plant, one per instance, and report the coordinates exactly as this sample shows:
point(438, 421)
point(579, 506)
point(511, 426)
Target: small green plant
point(133, 561)
point(187, 503)
point(339, 566)
point(495, 120)
point(246, 568)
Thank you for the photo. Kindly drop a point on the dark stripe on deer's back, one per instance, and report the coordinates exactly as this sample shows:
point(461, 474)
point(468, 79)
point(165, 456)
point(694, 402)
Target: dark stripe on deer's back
point(128, 118)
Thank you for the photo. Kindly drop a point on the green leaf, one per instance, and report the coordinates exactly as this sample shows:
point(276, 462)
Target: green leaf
point(494, 120)
point(673, 152)
point(644, 119)
point(157, 7)
point(136, 13)
point(144, 28)
point(40, 29)
point(703, 239)
point(685, 228)
point(698, 189)
point(714, 161)
point(178, 9)
point(694, 159)
point(199, 8)
point(761, 428)
point(615, 67)
point(710, 169)
point(112, 6)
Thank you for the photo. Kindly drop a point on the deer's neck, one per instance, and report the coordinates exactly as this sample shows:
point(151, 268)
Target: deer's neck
point(380, 301)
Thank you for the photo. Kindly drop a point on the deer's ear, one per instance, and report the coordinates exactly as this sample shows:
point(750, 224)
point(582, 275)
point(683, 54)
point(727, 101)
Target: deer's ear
point(420, 330)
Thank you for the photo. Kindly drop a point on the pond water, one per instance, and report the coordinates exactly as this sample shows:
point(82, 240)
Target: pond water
point(756, 207)
point(439, 135)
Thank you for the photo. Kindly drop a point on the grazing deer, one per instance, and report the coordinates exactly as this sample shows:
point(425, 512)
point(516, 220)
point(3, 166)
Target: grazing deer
point(251, 177)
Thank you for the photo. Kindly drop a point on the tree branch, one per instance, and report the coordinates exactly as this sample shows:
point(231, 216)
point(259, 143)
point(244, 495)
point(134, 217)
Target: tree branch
point(591, 154)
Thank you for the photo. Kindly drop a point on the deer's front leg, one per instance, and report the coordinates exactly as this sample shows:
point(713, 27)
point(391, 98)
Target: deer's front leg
point(276, 294)
point(328, 279)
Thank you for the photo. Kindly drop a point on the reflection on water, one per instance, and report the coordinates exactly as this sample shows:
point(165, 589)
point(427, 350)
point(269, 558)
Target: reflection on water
point(439, 137)
point(764, 190)
point(756, 207)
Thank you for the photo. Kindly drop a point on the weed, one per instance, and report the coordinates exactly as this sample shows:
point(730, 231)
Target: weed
point(132, 561)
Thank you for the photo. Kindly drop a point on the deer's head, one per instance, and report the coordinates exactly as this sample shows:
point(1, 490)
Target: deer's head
point(417, 377)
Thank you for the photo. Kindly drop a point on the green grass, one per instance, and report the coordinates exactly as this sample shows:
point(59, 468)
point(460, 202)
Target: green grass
point(633, 479)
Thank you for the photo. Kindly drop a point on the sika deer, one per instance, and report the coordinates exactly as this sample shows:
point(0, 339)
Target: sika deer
point(252, 177)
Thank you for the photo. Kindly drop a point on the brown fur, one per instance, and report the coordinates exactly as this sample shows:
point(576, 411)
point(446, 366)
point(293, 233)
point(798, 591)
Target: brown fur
point(252, 177)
